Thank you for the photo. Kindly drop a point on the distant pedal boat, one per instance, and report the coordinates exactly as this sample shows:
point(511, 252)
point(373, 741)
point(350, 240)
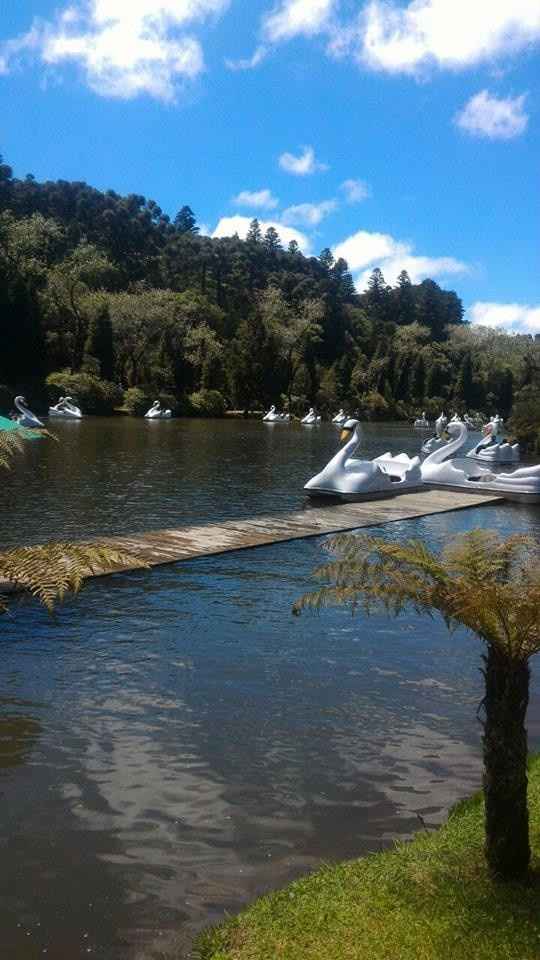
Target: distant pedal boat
point(66, 409)
point(311, 417)
point(273, 416)
point(156, 412)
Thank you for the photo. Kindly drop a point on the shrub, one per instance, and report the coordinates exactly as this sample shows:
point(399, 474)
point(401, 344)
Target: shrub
point(92, 394)
point(137, 401)
point(207, 403)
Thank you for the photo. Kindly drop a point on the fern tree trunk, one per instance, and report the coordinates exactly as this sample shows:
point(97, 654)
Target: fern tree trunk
point(505, 766)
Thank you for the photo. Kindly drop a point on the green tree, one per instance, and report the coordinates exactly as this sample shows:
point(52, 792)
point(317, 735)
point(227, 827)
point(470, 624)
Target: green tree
point(405, 299)
point(68, 304)
point(254, 234)
point(293, 331)
point(185, 221)
point(28, 246)
point(99, 345)
point(326, 258)
point(492, 588)
point(271, 241)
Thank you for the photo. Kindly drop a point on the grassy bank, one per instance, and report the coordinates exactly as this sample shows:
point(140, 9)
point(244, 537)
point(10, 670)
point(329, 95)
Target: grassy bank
point(428, 899)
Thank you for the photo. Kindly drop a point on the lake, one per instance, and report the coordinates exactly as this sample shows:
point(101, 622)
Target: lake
point(174, 743)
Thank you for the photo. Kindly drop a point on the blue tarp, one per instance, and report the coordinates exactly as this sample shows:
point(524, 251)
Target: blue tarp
point(6, 424)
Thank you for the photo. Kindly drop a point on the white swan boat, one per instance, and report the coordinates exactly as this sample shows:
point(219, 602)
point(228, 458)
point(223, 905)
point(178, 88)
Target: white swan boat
point(66, 409)
point(422, 423)
point(274, 417)
point(156, 412)
point(25, 417)
point(438, 470)
point(311, 417)
point(340, 417)
point(438, 440)
point(347, 478)
point(490, 450)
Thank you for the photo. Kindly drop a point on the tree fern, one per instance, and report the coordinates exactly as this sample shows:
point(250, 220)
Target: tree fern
point(491, 587)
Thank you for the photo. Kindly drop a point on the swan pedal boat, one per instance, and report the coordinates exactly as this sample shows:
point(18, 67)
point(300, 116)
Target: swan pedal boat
point(347, 478)
point(156, 412)
point(274, 417)
point(340, 417)
point(311, 417)
point(422, 423)
point(489, 450)
point(442, 470)
point(66, 409)
point(25, 417)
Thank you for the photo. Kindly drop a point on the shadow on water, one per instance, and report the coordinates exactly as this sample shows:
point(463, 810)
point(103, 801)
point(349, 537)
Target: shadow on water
point(174, 742)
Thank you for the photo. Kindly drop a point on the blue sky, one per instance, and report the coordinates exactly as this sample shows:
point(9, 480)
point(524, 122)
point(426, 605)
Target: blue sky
point(399, 134)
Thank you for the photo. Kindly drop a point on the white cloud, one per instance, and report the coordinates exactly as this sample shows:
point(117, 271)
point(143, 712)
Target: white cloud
point(309, 214)
point(248, 63)
point(125, 47)
point(355, 190)
point(452, 34)
point(261, 199)
point(364, 250)
point(496, 118)
point(228, 226)
point(510, 316)
point(302, 165)
point(293, 17)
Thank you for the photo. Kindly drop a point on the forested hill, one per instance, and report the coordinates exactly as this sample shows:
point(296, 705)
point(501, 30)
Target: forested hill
point(104, 294)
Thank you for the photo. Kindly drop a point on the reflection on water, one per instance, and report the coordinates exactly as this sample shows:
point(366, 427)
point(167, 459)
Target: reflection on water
point(18, 735)
point(176, 742)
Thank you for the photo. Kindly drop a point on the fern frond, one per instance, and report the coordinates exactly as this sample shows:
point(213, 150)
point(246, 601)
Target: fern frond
point(12, 442)
point(490, 586)
point(51, 571)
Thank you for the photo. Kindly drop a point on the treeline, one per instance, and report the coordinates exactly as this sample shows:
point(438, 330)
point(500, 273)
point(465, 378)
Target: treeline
point(106, 297)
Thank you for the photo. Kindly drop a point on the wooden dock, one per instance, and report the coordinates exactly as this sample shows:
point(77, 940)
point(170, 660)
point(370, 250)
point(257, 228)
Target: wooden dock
point(188, 543)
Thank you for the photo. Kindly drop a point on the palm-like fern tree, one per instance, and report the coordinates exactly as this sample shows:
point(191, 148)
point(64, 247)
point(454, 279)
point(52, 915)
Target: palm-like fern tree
point(51, 571)
point(492, 587)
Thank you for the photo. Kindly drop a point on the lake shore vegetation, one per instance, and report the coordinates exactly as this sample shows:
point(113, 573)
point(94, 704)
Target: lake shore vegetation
point(108, 299)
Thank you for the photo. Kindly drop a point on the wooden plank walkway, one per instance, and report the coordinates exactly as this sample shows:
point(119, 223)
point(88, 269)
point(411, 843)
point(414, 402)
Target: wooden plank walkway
point(187, 543)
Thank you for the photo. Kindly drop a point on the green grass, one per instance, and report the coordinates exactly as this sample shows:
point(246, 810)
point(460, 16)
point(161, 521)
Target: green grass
point(427, 899)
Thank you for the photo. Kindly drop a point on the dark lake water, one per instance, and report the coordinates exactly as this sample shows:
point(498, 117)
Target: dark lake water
point(174, 742)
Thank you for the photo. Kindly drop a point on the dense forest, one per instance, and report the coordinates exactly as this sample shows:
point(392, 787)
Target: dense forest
point(108, 299)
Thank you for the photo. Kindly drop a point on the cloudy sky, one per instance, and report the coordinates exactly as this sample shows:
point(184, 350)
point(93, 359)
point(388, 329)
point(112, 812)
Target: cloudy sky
point(402, 135)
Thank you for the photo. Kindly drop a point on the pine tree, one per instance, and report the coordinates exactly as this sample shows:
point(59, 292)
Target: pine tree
point(271, 240)
point(405, 299)
point(185, 221)
point(254, 234)
point(326, 257)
